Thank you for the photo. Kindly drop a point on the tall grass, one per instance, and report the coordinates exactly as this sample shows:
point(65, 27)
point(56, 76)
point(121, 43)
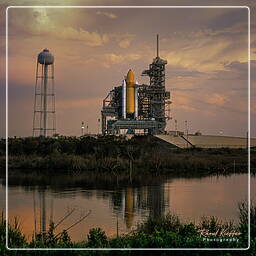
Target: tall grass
point(15, 237)
point(167, 231)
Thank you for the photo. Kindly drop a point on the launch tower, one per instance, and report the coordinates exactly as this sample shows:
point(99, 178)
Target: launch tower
point(134, 107)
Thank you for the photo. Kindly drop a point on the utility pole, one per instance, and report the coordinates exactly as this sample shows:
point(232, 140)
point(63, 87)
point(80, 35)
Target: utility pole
point(176, 130)
point(82, 128)
point(247, 140)
point(186, 131)
point(99, 126)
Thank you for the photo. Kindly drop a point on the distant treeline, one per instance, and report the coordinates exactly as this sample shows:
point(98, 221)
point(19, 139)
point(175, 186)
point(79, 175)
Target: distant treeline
point(116, 154)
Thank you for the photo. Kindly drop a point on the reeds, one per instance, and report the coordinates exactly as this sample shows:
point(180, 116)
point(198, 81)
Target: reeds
point(166, 231)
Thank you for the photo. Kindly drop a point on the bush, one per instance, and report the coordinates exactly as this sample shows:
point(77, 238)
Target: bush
point(15, 237)
point(97, 238)
point(167, 223)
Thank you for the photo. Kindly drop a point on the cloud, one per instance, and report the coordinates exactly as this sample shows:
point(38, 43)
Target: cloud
point(234, 70)
point(78, 103)
point(110, 59)
point(217, 99)
point(205, 49)
point(107, 14)
point(186, 89)
point(179, 71)
point(237, 66)
point(253, 44)
point(124, 43)
point(51, 23)
point(40, 22)
point(123, 40)
point(89, 38)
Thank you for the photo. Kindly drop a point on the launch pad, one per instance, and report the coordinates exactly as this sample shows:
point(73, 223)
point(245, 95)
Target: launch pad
point(134, 108)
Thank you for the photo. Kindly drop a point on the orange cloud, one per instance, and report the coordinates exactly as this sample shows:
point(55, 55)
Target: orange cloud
point(110, 59)
point(78, 103)
point(107, 14)
point(217, 99)
point(89, 38)
point(125, 43)
point(206, 49)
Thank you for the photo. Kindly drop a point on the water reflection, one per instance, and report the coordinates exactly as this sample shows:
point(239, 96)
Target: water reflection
point(125, 203)
point(119, 208)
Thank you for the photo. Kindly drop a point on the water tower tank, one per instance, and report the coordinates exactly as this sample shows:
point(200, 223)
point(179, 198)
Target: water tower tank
point(44, 104)
point(45, 57)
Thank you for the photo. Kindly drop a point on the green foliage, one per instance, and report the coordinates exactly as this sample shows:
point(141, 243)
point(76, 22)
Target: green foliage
point(15, 237)
point(168, 223)
point(212, 224)
point(243, 223)
point(97, 238)
point(165, 232)
point(116, 154)
point(50, 239)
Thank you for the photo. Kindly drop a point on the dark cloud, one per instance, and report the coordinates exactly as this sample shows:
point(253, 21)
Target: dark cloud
point(253, 44)
point(228, 19)
point(235, 70)
point(179, 71)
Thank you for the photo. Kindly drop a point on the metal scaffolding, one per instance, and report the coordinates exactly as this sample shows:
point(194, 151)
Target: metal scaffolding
point(153, 104)
point(44, 122)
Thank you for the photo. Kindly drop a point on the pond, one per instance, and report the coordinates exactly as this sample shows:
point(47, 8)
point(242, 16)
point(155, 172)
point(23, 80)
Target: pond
point(120, 208)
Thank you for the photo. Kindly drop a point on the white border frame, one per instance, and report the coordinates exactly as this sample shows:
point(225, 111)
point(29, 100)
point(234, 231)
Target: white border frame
point(249, 135)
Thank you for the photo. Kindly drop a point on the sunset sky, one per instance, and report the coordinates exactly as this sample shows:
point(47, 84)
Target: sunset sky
point(206, 50)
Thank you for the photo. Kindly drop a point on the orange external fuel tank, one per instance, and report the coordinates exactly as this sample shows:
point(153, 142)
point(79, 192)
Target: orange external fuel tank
point(130, 92)
point(129, 207)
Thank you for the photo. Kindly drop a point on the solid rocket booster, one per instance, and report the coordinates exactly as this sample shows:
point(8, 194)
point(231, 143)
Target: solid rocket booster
point(124, 99)
point(130, 92)
point(136, 100)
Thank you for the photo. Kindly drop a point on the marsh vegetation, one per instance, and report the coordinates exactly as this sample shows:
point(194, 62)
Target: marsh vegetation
point(118, 156)
point(164, 232)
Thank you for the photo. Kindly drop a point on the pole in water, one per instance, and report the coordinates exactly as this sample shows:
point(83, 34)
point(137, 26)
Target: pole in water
point(117, 228)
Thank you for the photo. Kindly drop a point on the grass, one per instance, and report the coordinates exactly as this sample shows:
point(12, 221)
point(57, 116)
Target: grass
point(162, 232)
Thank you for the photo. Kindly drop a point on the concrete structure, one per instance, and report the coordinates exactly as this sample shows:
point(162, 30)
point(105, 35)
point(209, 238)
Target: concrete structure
point(206, 141)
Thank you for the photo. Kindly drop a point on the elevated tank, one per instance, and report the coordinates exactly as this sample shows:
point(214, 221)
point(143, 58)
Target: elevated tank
point(45, 57)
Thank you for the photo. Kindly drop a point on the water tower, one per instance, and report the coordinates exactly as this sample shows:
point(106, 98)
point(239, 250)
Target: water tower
point(44, 122)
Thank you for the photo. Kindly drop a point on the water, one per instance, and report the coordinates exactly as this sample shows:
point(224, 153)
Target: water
point(122, 207)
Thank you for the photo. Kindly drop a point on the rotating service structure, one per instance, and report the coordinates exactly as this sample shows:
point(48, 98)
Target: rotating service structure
point(44, 121)
point(134, 108)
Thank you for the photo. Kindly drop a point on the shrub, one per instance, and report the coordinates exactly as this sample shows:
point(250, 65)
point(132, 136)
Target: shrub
point(97, 238)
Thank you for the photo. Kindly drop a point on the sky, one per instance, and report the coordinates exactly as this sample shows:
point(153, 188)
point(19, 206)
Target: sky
point(206, 50)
